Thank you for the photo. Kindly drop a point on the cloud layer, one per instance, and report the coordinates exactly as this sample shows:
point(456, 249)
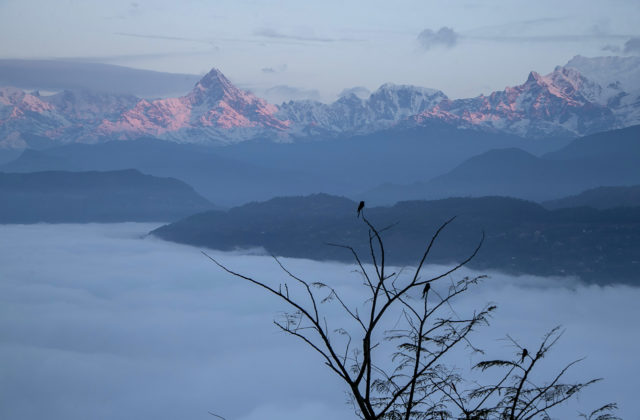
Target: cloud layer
point(101, 322)
point(283, 93)
point(443, 37)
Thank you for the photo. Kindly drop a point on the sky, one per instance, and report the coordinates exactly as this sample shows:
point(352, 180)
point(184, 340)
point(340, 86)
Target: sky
point(103, 322)
point(318, 49)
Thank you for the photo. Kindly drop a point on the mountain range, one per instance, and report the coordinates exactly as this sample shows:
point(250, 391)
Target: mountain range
point(603, 159)
point(259, 170)
point(576, 99)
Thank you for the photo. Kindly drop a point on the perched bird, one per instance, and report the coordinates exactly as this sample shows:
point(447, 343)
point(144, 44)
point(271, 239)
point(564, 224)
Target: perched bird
point(426, 289)
point(525, 352)
point(360, 207)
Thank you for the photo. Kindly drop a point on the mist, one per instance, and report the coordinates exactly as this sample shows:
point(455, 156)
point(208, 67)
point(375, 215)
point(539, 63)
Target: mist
point(101, 321)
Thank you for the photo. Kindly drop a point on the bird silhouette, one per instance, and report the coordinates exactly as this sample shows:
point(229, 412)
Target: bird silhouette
point(426, 289)
point(525, 352)
point(360, 207)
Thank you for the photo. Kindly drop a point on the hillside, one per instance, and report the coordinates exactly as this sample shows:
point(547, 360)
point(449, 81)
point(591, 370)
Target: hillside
point(600, 198)
point(609, 158)
point(80, 197)
point(521, 237)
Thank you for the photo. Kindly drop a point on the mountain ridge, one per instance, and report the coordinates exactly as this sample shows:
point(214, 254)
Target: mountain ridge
point(95, 196)
point(520, 236)
point(584, 163)
point(563, 103)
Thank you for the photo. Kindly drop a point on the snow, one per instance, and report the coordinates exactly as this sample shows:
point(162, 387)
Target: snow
point(609, 70)
point(586, 95)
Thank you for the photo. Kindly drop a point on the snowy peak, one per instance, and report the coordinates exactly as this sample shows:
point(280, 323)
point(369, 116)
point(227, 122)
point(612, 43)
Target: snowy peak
point(562, 103)
point(214, 78)
point(21, 102)
point(214, 86)
point(563, 83)
point(216, 102)
point(214, 106)
point(411, 99)
point(534, 78)
point(582, 97)
point(387, 106)
point(606, 71)
point(392, 88)
point(82, 105)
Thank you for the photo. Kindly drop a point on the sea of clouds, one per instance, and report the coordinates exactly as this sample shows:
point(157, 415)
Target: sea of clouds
point(100, 321)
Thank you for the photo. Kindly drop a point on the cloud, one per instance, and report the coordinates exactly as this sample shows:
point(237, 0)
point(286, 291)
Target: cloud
point(99, 321)
point(611, 48)
point(285, 93)
point(119, 58)
point(277, 35)
point(565, 38)
point(444, 37)
point(516, 26)
point(272, 70)
point(131, 11)
point(360, 91)
point(161, 37)
point(272, 33)
point(539, 31)
point(632, 46)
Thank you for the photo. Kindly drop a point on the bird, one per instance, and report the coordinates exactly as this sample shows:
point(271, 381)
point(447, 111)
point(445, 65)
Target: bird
point(360, 207)
point(426, 289)
point(525, 352)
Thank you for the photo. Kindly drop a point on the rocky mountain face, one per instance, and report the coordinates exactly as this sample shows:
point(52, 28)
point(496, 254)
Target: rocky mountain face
point(561, 103)
point(33, 120)
point(583, 97)
point(350, 114)
point(612, 70)
point(215, 109)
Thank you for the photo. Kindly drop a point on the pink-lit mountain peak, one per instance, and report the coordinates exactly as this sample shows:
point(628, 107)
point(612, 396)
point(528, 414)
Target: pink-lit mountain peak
point(214, 86)
point(563, 102)
point(221, 99)
point(214, 89)
point(564, 83)
point(534, 78)
point(213, 104)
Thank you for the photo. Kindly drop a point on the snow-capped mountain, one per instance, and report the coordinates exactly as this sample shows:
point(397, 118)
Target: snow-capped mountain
point(612, 70)
point(351, 114)
point(566, 102)
point(560, 103)
point(214, 109)
point(619, 78)
point(67, 116)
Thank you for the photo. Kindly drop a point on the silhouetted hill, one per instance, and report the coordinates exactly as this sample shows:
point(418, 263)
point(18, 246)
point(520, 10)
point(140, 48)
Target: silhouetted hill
point(75, 197)
point(620, 144)
point(8, 155)
point(600, 198)
point(521, 236)
point(609, 158)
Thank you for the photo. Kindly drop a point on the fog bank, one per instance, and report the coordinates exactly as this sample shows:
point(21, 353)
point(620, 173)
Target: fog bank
point(102, 322)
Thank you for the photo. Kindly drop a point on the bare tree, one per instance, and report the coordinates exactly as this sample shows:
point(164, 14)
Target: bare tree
point(392, 355)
